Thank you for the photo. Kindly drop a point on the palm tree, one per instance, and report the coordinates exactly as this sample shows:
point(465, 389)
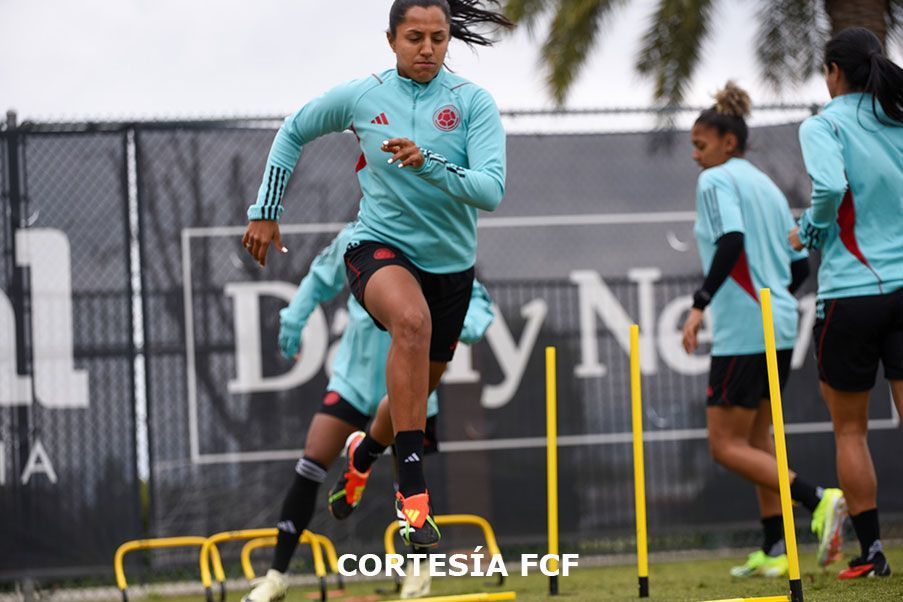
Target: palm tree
point(792, 34)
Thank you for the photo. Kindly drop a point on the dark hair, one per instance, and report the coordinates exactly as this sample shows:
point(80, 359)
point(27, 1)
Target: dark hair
point(729, 113)
point(858, 53)
point(462, 15)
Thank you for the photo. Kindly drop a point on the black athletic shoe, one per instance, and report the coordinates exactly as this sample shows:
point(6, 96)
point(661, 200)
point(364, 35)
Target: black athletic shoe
point(876, 566)
point(346, 494)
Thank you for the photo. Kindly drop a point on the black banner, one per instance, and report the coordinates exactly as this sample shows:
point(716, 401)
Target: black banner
point(595, 232)
point(127, 240)
point(69, 488)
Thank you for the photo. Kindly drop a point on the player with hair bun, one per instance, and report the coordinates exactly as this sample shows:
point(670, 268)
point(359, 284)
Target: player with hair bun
point(741, 216)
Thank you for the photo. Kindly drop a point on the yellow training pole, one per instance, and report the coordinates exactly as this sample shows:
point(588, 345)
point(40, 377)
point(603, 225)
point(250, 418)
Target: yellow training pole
point(639, 471)
point(552, 463)
point(780, 445)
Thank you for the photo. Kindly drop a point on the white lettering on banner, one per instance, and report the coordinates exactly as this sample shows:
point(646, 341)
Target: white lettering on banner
point(512, 357)
point(14, 389)
point(248, 360)
point(57, 383)
point(596, 299)
point(460, 370)
point(661, 336)
point(804, 336)
point(38, 463)
point(645, 279)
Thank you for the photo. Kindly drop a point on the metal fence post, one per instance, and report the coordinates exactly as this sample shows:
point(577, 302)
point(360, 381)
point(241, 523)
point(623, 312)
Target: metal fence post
point(17, 285)
point(147, 512)
point(134, 269)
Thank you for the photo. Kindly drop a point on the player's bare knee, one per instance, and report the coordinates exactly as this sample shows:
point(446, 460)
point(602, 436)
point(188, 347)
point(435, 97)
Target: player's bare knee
point(723, 448)
point(412, 330)
point(852, 433)
point(717, 447)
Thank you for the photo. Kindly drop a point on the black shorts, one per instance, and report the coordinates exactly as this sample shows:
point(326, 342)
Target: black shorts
point(447, 295)
point(853, 334)
point(742, 380)
point(338, 407)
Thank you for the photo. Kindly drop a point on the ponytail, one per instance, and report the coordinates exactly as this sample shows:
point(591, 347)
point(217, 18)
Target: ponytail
point(462, 16)
point(858, 54)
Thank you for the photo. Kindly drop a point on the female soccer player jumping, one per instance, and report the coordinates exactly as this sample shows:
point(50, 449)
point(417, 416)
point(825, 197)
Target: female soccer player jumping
point(433, 153)
point(740, 217)
point(353, 395)
point(854, 155)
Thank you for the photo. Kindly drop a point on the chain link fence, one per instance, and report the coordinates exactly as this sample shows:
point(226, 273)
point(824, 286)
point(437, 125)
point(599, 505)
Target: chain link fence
point(595, 232)
point(69, 492)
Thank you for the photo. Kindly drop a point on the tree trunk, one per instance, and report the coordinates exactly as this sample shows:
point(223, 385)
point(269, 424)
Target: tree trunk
point(871, 14)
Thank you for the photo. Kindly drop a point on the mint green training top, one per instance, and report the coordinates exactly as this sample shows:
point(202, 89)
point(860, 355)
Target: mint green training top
point(429, 213)
point(855, 162)
point(736, 196)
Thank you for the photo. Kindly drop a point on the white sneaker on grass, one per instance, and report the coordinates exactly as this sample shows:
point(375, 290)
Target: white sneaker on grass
point(269, 588)
point(416, 586)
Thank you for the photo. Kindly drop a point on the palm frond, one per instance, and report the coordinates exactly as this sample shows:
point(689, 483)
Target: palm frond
point(572, 33)
point(526, 12)
point(895, 23)
point(671, 46)
point(791, 36)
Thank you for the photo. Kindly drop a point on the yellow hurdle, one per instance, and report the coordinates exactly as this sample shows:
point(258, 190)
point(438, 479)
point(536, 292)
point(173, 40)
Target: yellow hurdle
point(442, 520)
point(552, 462)
point(212, 541)
point(639, 478)
point(165, 542)
point(469, 597)
point(260, 542)
point(451, 519)
point(780, 445)
point(268, 542)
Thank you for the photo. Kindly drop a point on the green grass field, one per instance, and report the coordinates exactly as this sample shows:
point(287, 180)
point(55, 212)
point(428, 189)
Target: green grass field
point(678, 581)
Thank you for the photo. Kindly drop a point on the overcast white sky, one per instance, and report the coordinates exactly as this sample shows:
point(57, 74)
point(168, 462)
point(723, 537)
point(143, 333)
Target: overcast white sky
point(65, 59)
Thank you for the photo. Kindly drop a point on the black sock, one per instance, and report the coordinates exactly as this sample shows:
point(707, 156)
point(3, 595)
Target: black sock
point(297, 510)
point(367, 452)
point(409, 445)
point(805, 494)
point(868, 531)
point(773, 544)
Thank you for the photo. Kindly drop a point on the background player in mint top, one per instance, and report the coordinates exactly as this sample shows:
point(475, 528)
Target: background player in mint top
point(854, 155)
point(740, 217)
point(432, 154)
point(354, 395)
